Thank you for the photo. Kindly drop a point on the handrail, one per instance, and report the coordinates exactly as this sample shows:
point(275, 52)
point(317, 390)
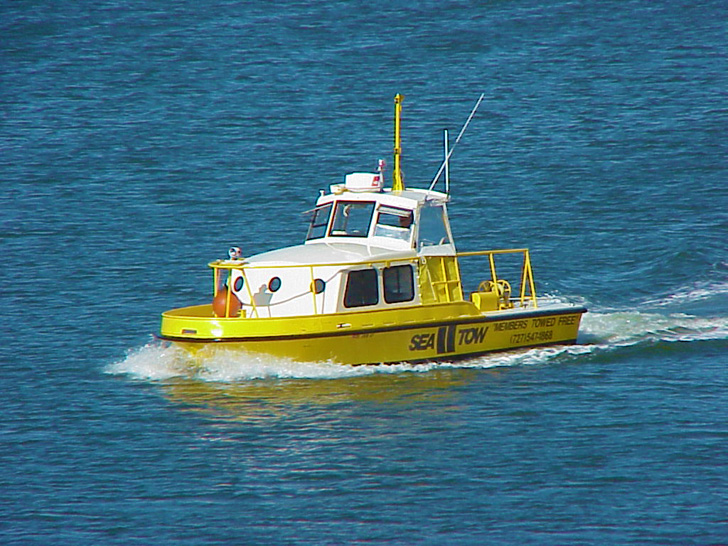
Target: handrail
point(486, 252)
point(527, 284)
point(229, 264)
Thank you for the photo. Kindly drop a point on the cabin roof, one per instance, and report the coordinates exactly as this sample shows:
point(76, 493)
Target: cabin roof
point(409, 198)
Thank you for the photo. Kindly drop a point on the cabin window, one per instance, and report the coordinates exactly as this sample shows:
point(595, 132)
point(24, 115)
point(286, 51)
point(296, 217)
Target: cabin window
point(361, 288)
point(319, 222)
point(352, 218)
point(398, 284)
point(394, 223)
point(432, 230)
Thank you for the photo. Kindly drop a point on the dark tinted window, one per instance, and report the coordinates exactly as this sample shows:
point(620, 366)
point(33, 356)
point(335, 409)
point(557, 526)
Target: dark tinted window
point(361, 288)
point(398, 284)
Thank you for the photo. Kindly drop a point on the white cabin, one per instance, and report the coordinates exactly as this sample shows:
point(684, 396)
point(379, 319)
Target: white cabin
point(365, 249)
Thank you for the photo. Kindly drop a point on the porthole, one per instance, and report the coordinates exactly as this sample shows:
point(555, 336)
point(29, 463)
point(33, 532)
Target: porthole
point(318, 286)
point(275, 284)
point(238, 284)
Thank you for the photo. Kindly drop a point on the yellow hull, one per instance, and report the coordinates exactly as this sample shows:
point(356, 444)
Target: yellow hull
point(424, 333)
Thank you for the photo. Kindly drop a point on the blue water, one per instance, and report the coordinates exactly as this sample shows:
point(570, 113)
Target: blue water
point(139, 140)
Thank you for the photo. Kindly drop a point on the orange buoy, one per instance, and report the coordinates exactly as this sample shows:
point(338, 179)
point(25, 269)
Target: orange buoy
point(220, 304)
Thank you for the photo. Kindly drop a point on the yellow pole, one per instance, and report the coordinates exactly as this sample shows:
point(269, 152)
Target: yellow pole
point(397, 182)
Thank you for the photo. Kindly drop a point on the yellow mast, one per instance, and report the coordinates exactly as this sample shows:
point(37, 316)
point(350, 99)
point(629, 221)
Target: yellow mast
point(397, 182)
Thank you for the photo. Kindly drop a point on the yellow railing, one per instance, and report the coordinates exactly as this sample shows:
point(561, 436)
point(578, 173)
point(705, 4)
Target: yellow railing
point(527, 284)
point(242, 265)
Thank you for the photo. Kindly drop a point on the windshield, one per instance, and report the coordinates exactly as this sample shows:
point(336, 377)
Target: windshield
point(433, 230)
point(352, 219)
point(319, 221)
point(394, 223)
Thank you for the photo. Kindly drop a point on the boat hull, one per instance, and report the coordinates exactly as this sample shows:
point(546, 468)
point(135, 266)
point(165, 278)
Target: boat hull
point(444, 333)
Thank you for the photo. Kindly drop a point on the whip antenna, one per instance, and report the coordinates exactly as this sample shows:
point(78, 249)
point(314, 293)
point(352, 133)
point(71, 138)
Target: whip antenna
point(460, 135)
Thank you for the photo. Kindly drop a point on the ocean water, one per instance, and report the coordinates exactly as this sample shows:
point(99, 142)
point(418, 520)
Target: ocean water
point(139, 140)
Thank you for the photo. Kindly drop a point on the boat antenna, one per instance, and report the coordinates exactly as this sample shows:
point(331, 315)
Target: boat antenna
point(446, 144)
point(397, 182)
point(445, 163)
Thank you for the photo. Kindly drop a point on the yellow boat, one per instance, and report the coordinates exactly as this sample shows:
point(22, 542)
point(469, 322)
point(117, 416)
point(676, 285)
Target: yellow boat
point(377, 280)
